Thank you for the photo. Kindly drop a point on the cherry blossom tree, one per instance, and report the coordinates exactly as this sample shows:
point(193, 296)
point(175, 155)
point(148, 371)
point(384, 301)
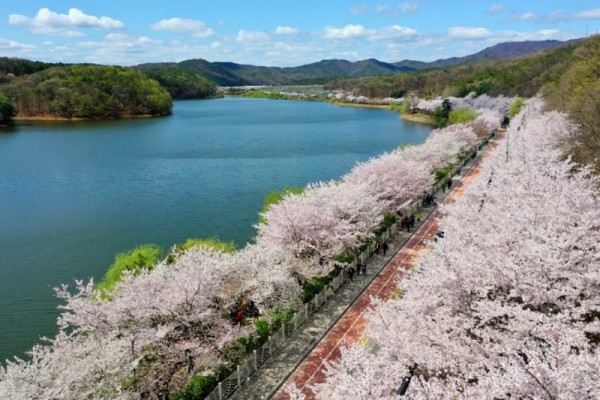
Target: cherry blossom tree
point(506, 304)
point(324, 220)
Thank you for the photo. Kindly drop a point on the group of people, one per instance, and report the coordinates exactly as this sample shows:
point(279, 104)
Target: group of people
point(408, 222)
point(360, 268)
point(247, 308)
point(379, 247)
point(428, 199)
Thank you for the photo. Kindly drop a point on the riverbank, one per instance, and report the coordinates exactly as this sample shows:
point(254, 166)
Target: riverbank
point(361, 105)
point(419, 118)
point(59, 118)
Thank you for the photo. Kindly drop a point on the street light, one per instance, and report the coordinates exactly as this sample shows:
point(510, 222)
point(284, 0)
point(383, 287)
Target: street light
point(406, 381)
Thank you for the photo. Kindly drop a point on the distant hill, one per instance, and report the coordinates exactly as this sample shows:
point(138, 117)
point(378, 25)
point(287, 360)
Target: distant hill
point(181, 83)
point(232, 74)
point(501, 51)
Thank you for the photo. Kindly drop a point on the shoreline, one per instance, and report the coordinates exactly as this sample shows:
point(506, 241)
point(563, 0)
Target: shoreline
point(359, 105)
point(419, 118)
point(58, 118)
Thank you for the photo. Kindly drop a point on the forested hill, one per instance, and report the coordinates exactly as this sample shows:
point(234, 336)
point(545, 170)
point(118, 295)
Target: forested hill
point(523, 76)
point(233, 74)
point(181, 82)
point(87, 91)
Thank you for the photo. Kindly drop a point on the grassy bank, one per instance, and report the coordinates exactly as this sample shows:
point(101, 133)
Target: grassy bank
point(419, 118)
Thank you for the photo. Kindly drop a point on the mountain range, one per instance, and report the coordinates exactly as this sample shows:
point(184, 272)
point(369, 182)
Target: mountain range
point(232, 74)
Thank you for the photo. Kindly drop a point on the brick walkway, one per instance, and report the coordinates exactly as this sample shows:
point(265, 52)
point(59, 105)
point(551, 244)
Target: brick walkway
point(339, 322)
point(350, 328)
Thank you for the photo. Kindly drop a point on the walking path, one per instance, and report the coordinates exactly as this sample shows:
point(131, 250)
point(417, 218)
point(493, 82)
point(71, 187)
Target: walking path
point(339, 322)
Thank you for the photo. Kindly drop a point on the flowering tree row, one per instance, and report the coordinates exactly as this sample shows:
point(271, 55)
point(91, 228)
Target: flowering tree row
point(329, 218)
point(108, 346)
point(506, 305)
point(498, 104)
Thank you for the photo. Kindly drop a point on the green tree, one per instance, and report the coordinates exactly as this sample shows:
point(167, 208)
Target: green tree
point(7, 110)
point(461, 115)
point(135, 260)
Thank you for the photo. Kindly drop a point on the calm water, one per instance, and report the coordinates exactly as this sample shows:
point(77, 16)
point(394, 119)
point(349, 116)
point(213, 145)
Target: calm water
point(73, 194)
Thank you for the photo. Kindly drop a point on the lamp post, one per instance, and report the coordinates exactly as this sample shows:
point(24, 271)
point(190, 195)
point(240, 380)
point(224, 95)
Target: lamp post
point(406, 381)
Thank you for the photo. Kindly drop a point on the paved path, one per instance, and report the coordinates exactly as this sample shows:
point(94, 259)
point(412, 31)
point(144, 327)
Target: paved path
point(339, 322)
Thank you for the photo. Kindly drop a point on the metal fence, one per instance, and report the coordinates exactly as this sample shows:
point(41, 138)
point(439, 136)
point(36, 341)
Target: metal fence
point(253, 362)
point(259, 356)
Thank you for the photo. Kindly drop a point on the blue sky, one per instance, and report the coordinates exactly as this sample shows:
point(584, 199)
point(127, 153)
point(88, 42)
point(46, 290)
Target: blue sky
point(280, 33)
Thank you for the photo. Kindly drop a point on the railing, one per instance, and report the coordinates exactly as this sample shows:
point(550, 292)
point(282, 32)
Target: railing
point(253, 362)
point(259, 356)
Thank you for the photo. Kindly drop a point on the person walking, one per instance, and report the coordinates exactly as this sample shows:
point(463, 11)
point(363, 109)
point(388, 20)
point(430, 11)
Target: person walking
point(350, 273)
point(363, 268)
point(384, 247)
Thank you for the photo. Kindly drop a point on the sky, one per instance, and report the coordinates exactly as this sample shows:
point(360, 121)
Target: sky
point(279, 33)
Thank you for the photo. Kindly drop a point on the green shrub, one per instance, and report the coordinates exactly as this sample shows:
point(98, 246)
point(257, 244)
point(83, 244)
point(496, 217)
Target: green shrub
point(279, 316)
point(210, 243)
point(442, 172)
point(141, 257)
point(461, 115)
point(345, 257)
point(202, 385)
point(262, 330)
point(515, 107)
point(387, 221)
point(316, 284)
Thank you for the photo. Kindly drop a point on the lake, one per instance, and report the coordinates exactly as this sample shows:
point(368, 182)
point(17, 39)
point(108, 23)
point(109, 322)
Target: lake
point(74, 194)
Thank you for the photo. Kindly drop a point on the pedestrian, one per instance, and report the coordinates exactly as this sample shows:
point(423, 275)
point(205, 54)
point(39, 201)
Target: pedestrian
point(189, 358)
point(350, 272)
point(384, 247)
point(256, 313)
point(357, 267)
point(418, 215)
point(239, 316)
point(363, 268)
point(377, 247)
point(449, 183)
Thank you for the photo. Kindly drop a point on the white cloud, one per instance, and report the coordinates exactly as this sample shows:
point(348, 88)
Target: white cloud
point(589, 14)
point(558, 15)
point(116, 37)
point(402, 8)
point(244, 36)
point(286, 30)
point(463, 32)
point(146, 40)
point(12, 45)
point(378, 34)
point(216, 45)
point(563, 16)
point(192, 27)
point(359, 9)
point(408, 8)
point(528, 16)
point(391, 32)
point(52, 23)
point(496, 9)
point(347, 32)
